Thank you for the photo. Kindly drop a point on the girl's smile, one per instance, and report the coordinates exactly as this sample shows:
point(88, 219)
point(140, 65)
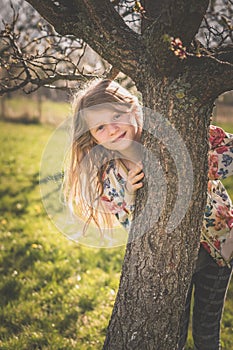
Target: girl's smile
point(119, 137)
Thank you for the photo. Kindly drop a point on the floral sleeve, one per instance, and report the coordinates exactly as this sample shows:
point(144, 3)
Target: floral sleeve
point(116, 199)
point(220, 159)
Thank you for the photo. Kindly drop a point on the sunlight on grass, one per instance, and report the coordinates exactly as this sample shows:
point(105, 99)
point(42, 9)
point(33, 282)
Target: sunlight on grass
point(55, 294)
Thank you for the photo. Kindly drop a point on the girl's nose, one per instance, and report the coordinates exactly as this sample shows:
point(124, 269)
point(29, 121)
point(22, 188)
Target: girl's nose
point(113, 127)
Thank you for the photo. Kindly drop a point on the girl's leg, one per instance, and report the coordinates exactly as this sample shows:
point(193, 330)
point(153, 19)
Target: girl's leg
point(202, 260)
point(211, 284)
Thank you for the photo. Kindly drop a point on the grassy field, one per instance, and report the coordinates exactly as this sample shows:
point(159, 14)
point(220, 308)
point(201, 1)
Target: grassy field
point(54, 294)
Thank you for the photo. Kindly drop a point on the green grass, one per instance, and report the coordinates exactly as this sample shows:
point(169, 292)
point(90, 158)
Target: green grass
point(54, 294)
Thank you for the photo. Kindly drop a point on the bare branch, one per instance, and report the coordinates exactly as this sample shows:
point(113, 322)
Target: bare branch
point(34, 84)
point(97, 23)
point(219, 76)
point(225, 54)
point(36, 56)
point(216, 29)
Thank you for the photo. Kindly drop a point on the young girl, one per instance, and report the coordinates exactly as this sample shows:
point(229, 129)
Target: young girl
point(105, 168)
point(106, 171)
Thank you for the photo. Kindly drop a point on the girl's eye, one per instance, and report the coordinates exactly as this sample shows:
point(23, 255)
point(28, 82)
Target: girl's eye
point(117, 116)
point(100, 127)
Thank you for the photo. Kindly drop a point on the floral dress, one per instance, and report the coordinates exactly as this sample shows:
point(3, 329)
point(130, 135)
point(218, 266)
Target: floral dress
point(115, 196)
point(218, 216)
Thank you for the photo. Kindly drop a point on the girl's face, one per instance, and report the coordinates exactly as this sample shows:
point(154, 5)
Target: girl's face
point(115, 130)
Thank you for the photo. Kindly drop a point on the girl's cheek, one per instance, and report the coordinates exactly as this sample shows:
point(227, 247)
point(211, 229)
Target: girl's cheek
point(104, 137)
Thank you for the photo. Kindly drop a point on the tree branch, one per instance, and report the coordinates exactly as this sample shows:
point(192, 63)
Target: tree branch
point(48, 9)
point(39, 56)
point(98, 24)
point(33, 84)
point(225, 54)
point(182, 23)
point(219, 76)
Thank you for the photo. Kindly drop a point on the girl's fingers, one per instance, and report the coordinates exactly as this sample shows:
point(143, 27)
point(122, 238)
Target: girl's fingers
point(138, 168)
point(133, 173)
point(137, 186)
point(136, 178)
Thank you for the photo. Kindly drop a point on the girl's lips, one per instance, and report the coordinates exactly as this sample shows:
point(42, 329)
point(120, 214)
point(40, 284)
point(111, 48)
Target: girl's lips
point(119, 137)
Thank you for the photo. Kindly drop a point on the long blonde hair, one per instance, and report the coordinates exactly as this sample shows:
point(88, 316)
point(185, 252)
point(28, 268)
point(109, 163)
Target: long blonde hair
point(83, 184)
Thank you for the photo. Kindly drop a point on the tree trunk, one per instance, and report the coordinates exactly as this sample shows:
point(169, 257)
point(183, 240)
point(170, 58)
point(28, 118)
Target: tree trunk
point(156, 274)
point(39, 106)
point(3, 108)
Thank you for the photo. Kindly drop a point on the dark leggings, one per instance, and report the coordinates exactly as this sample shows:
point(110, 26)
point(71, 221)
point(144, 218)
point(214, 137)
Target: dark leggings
point(210, 284)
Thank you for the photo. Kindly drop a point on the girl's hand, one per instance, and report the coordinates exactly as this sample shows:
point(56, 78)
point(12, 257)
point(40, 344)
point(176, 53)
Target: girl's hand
point(227, 247)
point(134, 178)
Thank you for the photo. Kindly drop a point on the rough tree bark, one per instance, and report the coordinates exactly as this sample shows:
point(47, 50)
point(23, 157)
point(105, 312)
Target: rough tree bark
point(159, 263)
